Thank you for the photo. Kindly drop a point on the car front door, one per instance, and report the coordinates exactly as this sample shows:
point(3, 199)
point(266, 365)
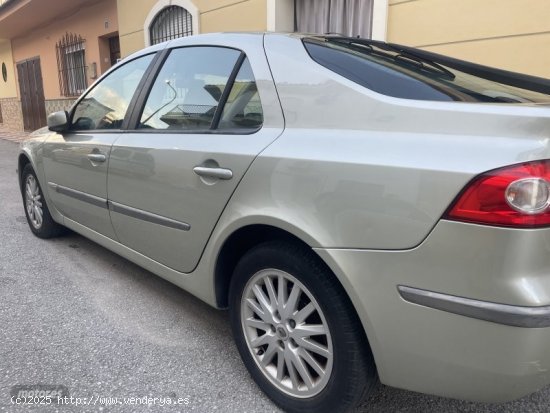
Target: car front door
point(75, 162)
point(209, 113)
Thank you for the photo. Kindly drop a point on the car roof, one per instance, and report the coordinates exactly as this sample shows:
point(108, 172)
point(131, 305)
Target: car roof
point(213, 39)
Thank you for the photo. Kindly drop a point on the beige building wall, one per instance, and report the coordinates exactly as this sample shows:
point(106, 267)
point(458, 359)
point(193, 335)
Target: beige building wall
point(509, 34)
point(214, 16)
point(8, 89)
point(10, 108)
point(88, 22)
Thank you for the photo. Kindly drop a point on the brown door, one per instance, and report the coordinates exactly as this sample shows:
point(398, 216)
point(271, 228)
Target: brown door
point(114, 49)
point(32, 94)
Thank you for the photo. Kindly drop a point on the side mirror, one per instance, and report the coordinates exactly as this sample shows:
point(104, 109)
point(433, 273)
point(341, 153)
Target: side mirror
point(58, 121)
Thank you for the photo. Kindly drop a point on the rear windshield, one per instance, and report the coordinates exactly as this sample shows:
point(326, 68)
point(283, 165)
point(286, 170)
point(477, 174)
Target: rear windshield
point(390, 71)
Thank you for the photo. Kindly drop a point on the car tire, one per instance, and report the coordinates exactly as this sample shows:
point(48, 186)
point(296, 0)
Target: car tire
point(38, 215)
point(274, 338)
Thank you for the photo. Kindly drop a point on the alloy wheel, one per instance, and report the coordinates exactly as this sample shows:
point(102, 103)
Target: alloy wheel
point(33, 202)
point(287, 333)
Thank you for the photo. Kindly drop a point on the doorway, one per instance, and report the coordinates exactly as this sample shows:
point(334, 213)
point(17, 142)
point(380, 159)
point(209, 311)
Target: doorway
point(32, 94)
point(114, 49)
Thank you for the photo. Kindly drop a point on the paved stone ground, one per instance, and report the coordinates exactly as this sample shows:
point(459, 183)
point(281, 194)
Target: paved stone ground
point(73, 313)
point(13, 136)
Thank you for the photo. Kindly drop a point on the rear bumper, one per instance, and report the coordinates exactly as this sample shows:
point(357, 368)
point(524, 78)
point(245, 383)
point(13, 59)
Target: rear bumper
point(464, 315)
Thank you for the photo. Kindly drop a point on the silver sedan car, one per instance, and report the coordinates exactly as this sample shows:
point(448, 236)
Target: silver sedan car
point(365, 210)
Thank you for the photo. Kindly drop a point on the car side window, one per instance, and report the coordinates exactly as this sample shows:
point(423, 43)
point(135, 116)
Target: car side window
point(243, 109)
point(188, 89)
point(105, 106)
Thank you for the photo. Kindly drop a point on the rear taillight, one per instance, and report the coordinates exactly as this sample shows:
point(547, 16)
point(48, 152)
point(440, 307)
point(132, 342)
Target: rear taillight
point(515, 196)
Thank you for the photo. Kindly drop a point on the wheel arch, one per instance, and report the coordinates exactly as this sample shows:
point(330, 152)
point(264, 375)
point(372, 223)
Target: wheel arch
point(246, 237)
point(235, 246)
point(30, 154)
point(22, 161)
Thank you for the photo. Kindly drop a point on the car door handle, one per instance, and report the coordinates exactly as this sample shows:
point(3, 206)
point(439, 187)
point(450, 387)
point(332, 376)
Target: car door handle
point(97, 157)
point(208, 172)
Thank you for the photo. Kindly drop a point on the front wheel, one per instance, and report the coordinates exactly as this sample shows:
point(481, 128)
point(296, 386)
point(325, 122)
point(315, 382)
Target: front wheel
point(38, 215)
point(297, 331)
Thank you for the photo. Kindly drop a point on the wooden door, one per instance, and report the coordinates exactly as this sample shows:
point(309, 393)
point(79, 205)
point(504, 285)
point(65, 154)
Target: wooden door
point(114, 49)
point(32, 94)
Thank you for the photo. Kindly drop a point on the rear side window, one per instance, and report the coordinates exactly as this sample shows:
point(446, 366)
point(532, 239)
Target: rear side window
point(384, 69)
point(203, 89)
point(187, 90)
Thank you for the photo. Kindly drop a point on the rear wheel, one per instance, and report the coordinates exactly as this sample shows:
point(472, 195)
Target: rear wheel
point(297, 331)
point(38, 215)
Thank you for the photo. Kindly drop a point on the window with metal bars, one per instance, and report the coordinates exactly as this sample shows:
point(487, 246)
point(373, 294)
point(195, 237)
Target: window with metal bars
point(71, 64)
point(171, 22)
point(346, 17)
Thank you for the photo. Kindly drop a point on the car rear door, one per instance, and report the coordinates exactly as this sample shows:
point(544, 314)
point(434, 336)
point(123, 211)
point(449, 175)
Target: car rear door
point(75, 162)
point(208, 113)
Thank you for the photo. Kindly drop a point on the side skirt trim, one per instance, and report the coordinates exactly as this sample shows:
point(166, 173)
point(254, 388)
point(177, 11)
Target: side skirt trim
point(147, 216)
point(120, 208)
point(81, 196)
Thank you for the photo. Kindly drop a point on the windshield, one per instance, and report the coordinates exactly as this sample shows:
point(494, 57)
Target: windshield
point(391, 71)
